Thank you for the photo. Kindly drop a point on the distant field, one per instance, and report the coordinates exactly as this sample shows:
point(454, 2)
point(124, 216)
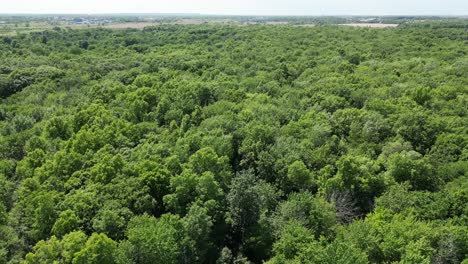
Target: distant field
point(190, 22)
point(11, 29)
point(371, 25)
point(137, 25)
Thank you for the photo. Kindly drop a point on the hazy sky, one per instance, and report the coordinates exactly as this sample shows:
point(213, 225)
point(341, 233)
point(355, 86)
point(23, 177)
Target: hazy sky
point(242, 7)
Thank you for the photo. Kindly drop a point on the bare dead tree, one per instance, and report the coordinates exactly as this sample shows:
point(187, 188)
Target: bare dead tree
point(447, 251)
point(346, 209)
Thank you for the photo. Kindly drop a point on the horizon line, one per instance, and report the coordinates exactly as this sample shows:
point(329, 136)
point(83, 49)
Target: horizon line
point(236, 15)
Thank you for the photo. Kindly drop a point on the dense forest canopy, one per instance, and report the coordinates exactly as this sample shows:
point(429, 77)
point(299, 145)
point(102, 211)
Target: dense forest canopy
point(232, 144)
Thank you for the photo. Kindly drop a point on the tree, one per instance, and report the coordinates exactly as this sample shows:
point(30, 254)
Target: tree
point(243, 205)
point(67, 222)
point(155, 240)
point(342, 253)
point(184, 192)
point(311, 212)
point(98, 249)
point(58, 127)
point(416, 127)
point(410, 166)
point(112, 220)
point(296, 243)
point(417, 252)
point(359, 176)
point(225, 257)
point(72, 243)
point(448, 148)
point(206, 159)
point(156, 178)
point(421, 95)
point(300, 176)
point(45, 252)
point(197, 225)
point(83, 44)
point(57, 251)
point(44, 214)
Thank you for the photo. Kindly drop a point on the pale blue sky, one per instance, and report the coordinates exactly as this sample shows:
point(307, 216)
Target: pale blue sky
point(242, 7)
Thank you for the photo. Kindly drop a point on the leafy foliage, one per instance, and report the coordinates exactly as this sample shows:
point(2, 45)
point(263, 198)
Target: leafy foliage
point(229, 144)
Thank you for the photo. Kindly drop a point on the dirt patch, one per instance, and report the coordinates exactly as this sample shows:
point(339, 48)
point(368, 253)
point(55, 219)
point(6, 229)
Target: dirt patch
point(371, 25)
